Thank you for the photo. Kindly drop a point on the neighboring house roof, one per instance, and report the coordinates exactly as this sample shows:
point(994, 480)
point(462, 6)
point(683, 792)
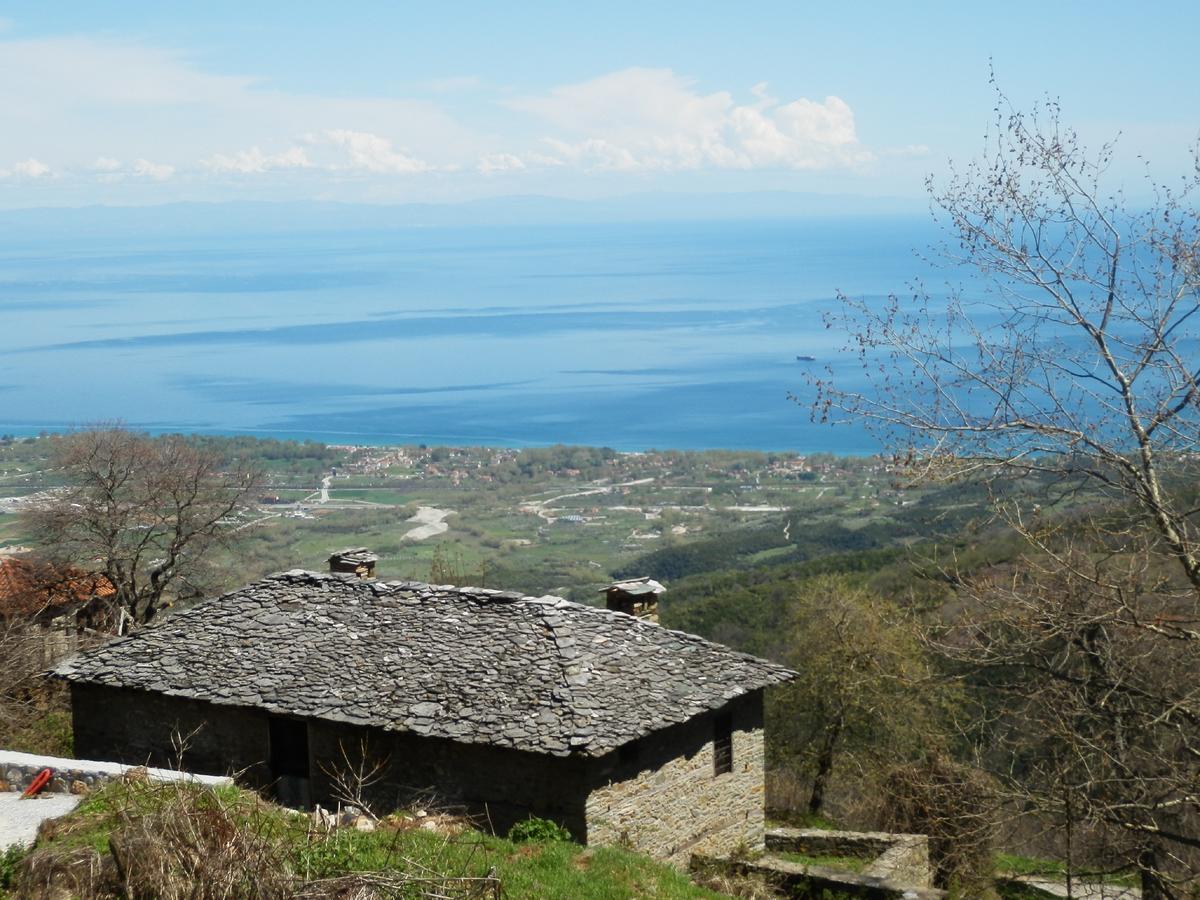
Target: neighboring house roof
point(355, 555)
point(467, 664)
point(39, 589)
point(635, 587)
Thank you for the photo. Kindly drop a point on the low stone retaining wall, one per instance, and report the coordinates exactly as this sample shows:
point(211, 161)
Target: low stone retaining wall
point(900, 858)
point(17, 771)
point(898, 866)
point(793, 879)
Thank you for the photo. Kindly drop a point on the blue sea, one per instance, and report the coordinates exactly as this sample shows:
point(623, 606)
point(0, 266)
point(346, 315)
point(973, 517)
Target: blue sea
point(634, 336)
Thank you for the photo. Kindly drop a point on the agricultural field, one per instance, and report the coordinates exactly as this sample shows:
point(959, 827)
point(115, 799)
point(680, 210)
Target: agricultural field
point(558, 519)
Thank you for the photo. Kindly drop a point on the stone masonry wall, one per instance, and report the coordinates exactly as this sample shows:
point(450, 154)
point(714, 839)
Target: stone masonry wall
point(18, 771)
point(139, 728)
point(668, 802)
point(899, 858)
point(498, 786)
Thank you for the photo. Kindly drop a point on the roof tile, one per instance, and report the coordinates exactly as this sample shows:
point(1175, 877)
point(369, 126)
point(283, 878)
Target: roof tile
point(468, 664)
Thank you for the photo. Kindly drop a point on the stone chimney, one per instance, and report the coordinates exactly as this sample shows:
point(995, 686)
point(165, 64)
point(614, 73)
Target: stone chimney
point(634, 596)
point(354, 561)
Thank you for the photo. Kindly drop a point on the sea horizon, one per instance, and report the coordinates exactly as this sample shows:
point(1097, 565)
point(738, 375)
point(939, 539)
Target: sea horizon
point(639, 335)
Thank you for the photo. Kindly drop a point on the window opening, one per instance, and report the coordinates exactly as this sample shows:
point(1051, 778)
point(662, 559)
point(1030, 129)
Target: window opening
point(723, 744)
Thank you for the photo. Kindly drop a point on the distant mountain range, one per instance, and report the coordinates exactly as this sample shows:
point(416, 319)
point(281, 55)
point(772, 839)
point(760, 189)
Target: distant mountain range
point(306, 216)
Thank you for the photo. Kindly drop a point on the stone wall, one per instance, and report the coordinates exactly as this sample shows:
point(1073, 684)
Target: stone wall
point(497, 786)
point(664, 799)
point(899, 858)
point(667, 802)
point(794, 879)
point(18, 770)
point(141, 728)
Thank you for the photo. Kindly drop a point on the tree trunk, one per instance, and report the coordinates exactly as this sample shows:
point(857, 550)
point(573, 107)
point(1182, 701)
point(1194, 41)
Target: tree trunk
point(1153, 886)
point(824, 766)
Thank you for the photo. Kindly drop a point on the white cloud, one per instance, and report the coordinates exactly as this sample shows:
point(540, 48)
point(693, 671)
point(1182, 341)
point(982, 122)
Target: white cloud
point(254, 161)
point(33, 168)
point(500, 162)
point(366, 152)
point(597, 153)
point(143, 168)
point(67, 98)
point(655, 120)
point(61, 92)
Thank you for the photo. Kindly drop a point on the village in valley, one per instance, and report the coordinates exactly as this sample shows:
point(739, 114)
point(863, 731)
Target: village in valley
point(562, 519)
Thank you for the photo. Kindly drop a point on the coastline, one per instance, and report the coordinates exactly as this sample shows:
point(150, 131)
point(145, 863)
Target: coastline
point(360, 439)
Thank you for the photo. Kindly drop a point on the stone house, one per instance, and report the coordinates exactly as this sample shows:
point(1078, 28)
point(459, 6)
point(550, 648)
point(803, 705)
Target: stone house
point(498, 704)
point(61, 602)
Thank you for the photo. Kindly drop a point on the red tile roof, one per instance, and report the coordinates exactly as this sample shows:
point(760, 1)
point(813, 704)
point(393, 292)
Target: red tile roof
point(31, 587)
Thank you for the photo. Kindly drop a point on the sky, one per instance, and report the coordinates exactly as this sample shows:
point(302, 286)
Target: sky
point(137, 103)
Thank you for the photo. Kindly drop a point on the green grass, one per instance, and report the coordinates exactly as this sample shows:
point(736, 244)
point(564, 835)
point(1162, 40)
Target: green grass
point(1012, 865)
point(10, 858)
point(805, 820)
point(526, 870)
point(843, 863)
point(1012, 890)
point(47, 733)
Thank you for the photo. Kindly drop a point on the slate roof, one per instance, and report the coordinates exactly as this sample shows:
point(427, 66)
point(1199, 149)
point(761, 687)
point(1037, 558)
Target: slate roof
point(635, 587)
point(355, 555)
point(468, 664)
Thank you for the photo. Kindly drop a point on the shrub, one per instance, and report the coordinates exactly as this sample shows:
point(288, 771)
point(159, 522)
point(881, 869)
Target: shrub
point(9, 860)
point(955, 806)
point(535, 830)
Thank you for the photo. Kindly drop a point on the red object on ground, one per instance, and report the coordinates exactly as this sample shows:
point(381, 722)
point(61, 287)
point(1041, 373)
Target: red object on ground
point(40, 781)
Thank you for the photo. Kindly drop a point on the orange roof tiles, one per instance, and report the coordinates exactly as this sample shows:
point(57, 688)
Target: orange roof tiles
point(30, 587)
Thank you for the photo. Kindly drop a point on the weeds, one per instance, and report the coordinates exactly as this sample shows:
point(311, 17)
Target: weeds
point(139, 840)
point(537, 830)
point(10, 858)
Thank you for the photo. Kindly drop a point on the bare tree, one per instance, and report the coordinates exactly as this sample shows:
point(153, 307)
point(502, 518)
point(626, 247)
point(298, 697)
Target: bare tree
point(1072, 356)
point(20, 663)
point(143, 511)
point(354, 779)
point(1093, 702)
point(1075, 351)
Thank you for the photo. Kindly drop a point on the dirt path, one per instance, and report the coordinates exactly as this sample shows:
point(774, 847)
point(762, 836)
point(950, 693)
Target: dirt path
point(430, 522)
point(541, 507)
point(257, 521)
point(1083, 890)
point(19, 819)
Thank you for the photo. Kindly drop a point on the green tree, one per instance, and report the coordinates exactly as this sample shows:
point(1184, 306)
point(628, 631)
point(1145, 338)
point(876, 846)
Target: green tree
point(865, 695)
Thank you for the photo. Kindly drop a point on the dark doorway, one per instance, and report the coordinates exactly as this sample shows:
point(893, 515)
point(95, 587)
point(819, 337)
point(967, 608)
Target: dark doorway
point(288, 747)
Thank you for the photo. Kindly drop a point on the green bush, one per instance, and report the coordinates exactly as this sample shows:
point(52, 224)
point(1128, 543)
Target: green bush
point(9, 860)
point(538, 831)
